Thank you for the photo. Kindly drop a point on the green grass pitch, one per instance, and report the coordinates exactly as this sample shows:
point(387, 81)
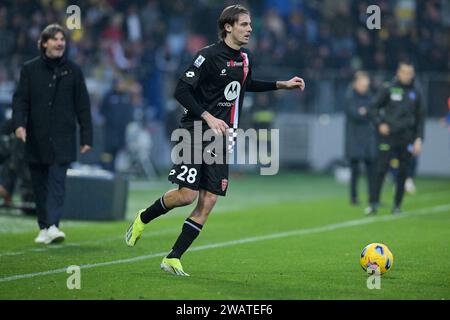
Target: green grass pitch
point(291, 236)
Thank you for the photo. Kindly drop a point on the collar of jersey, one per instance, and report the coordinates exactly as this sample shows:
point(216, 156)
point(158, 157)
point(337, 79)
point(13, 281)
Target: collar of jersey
point(229, 48)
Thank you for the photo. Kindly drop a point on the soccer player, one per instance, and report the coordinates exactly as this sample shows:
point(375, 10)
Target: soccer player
point(212, 91)
point(399, 115)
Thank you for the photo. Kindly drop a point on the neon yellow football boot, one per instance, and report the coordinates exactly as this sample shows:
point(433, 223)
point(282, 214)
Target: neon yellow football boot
point(135, 230)
point(173, 266)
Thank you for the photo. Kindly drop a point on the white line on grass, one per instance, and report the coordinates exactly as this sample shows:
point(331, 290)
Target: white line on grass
point(12, 253)
point(331, 227)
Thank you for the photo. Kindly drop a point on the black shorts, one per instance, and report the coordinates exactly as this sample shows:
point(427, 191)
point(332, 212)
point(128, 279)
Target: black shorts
point(196, 175)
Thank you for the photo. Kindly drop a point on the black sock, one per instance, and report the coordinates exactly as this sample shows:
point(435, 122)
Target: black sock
point(154, 211)
point(190, 231)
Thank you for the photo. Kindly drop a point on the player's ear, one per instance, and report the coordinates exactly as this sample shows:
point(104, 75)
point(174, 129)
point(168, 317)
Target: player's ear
point(228, 27)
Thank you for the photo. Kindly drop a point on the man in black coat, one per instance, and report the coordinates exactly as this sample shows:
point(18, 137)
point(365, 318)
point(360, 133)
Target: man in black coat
point(359, 133)
point(50, 99)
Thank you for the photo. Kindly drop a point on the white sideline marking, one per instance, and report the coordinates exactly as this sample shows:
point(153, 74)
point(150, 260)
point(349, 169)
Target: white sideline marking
point(331, 227)
point(12, 253)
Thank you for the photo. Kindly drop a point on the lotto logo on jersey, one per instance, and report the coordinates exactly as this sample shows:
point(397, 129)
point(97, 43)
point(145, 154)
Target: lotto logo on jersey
point(199, 61)
point(232, 91)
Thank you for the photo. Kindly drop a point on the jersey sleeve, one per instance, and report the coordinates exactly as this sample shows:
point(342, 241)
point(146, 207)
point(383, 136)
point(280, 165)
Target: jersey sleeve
point(254, 85)
point(197, 70)
point(184, 94)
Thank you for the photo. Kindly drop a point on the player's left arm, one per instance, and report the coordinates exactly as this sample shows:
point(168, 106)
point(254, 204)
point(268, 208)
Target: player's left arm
point(260, 86)
point(294, 83)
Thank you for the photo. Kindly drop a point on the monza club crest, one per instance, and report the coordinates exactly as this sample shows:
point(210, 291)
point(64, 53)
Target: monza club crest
point(224, 184)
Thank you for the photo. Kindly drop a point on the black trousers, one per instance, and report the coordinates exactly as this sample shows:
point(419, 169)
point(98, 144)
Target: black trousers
point(49, 190)
point(355, 173)
point(388, 148)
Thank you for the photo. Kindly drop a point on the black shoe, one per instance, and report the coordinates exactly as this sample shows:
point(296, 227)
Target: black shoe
point(354, 202)
point(396, 210)
point(371, 210)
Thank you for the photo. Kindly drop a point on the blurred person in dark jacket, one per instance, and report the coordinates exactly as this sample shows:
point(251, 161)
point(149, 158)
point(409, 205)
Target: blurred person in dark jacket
point(50, 99)
point(359, 133)
point(117, 112)
point(399, 116)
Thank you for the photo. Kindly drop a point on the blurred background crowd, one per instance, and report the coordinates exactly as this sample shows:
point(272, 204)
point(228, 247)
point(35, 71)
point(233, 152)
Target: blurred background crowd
point(132, 52)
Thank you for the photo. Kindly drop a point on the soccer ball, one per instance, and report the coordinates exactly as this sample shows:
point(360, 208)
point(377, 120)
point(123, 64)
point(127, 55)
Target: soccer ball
point(376, 256)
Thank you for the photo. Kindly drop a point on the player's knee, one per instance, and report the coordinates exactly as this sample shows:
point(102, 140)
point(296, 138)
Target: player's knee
point(186, 196)
point(211, 198)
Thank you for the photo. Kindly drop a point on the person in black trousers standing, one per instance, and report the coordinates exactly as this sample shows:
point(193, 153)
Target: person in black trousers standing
point(359, 133)
point(399, 115)
point(50, 99)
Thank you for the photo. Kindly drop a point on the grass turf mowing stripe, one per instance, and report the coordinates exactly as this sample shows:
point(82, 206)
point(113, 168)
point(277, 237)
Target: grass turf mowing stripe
point(331, 227)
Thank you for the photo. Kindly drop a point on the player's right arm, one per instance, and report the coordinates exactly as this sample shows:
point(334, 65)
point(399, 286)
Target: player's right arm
point(185, 93)
point(21, 105)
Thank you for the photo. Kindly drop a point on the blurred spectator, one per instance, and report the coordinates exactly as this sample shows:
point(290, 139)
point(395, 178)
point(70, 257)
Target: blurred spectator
point(359, 133)
point(134, 28)
point(117, 112)
point(406, 24)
